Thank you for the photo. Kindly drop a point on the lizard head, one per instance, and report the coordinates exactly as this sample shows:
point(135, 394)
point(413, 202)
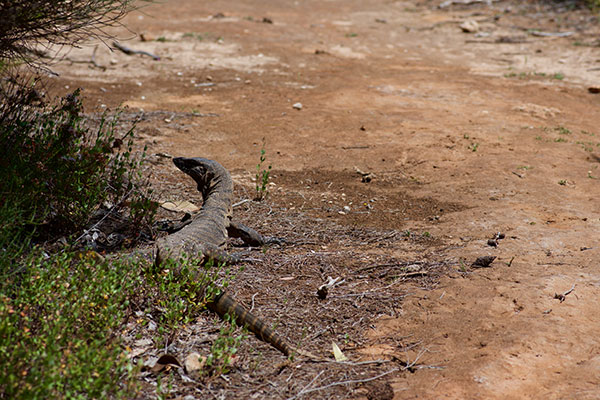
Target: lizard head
point(202, 170)
point(208, 174)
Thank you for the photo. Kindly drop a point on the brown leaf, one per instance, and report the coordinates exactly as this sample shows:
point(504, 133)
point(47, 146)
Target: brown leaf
point(165, 361)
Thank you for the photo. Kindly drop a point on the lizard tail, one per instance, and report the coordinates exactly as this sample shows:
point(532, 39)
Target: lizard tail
point(223, 304)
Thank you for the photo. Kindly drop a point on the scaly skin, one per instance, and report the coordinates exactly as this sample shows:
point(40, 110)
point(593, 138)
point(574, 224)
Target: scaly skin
point(225, 304)
point(207, 235)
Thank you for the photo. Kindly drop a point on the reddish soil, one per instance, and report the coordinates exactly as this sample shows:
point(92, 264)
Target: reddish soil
point(466, 135)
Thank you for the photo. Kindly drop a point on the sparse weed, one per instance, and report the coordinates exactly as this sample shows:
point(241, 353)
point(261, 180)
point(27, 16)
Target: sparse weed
point(224, 348)
point(562, 130)
point(474, 146)
point(192, 35)
point(526, 75)
point(587, 146)
point(562, 182)
point(262, 176)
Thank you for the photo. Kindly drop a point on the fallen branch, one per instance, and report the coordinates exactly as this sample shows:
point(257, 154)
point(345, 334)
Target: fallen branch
point(348, 382)
point(448, 3)
point(114, 207)
point(91, 61)
point(563, 296)
point(551, 34)
point(304, 390)
point(130, 52)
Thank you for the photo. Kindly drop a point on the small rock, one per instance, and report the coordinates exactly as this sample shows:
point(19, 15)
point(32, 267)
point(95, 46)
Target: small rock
point(146, 37)
point(194, 362)
point(469, 26)
point(483, 262)
point(594, 89)
point(142, 342)
point(151, 326)
point(492, 242)
point(297, 106)
point(346, 208)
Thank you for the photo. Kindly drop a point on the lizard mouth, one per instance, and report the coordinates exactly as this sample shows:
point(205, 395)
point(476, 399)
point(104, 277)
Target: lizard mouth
point(197, 168)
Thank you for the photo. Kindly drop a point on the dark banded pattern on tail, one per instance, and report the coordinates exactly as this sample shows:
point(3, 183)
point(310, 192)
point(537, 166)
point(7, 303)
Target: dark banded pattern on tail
point(225, 304)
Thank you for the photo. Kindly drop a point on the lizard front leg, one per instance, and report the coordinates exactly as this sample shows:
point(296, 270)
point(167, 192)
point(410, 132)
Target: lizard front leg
point(247, 234)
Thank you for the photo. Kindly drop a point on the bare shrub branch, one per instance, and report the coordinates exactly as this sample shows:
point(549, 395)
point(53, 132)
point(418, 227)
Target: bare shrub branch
point(28, 27)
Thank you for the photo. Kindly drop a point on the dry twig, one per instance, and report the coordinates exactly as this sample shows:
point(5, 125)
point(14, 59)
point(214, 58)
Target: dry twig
point(348, 382)
point(563, 296)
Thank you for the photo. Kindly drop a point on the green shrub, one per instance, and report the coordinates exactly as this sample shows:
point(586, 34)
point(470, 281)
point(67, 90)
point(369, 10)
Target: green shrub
point(59, 327)
point(61, 318)
point(55, 172)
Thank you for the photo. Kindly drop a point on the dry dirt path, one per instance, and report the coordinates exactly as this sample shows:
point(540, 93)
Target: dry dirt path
point(492, 137)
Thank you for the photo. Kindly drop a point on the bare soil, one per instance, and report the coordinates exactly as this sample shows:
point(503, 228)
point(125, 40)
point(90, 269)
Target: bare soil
point(465, 135)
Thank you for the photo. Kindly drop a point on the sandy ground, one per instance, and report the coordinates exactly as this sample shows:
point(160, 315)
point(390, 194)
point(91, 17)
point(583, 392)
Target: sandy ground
point(466, 135)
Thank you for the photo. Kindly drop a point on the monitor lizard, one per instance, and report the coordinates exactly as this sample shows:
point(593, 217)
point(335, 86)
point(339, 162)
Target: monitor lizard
point(207, 236)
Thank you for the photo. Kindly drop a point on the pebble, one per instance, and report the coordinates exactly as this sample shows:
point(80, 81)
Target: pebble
point(297, 106)
point(469, 26)
point(193, 362)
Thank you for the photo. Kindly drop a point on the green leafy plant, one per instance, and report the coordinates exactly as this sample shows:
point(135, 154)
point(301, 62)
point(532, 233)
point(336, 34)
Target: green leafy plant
point(224, 348)
point(183, 287)
point(59, 324)
point(262, 176)
point(51, 154)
